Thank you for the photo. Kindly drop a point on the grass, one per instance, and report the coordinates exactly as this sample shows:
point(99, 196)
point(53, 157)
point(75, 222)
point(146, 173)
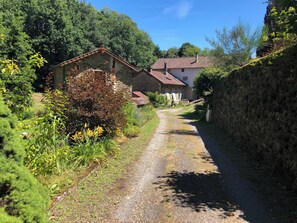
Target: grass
point(268, 186)
point(38, 105)
point(104, 181)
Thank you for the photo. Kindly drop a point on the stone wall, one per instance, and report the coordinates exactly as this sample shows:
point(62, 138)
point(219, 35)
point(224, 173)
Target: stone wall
point(145, 83)
point(257, 106)
point(101, 61)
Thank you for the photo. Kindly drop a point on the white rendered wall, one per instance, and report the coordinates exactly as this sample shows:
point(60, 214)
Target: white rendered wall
point(190, 73)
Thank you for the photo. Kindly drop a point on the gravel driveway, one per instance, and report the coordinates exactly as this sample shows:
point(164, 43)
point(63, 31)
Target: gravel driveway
point(177, 180)
point(181, 177)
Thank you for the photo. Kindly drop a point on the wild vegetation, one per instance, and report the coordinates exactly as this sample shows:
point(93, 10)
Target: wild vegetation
point(259, 97)
point(206, 80)
point(280, 27)
point(185, 50)
point(157, 99)
point(22, 197)
point(60, 30)
point(80, 127)
point(232, 48)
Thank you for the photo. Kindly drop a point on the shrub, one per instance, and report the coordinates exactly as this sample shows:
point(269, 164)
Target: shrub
point(145, 114)
point(22, 198)
point(94, 101)
point(206, 80)
point(136, 118)
point(157, 99)
point(91, 151)
point(48, 150)
point(17, 82)
point(131, 131)
point(130, 113)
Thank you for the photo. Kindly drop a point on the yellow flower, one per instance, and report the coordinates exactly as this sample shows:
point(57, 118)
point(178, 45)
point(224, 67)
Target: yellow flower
point(89, 133)
point(118, 132)
point(78, 136)
point(99, 130)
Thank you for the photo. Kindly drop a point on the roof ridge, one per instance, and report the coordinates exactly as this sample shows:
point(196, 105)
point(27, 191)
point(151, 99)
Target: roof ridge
point(181, 57)
point(101, 49)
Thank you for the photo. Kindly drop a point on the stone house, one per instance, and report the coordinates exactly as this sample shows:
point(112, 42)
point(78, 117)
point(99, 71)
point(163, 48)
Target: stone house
point(159, 81)
point(120, 71)
point(184, 69)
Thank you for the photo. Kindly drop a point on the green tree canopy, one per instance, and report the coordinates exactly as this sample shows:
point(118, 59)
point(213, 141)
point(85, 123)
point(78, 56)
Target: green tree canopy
point(185, 50)
point(188, 50)
point(280, 26)
point(63, 29)
point(234, 47)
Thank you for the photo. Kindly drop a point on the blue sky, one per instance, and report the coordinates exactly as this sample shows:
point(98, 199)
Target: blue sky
point(170, 23)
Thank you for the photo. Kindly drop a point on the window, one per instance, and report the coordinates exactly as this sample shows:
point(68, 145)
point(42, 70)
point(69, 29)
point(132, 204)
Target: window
point(183, 70)
point(185, 78)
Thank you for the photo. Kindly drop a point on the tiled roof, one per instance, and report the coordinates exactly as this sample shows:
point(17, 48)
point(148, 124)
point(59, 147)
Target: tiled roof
point(140, 98)
point(98, 50)
point(139, 94)
point(165, 78)
point(183, 62)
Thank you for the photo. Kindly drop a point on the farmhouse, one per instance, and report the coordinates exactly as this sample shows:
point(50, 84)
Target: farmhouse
point(159, 81)
point(184, 69)
point(121, 72)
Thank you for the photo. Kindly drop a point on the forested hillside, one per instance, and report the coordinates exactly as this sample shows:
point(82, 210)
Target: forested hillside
point(62, 29)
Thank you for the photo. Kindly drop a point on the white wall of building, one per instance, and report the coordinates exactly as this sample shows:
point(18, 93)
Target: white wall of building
point(190, 73)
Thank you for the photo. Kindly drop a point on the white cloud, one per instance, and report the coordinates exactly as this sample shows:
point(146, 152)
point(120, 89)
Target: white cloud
point(180, 10)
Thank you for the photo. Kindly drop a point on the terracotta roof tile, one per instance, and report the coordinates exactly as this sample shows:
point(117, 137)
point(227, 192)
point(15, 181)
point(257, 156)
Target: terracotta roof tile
point(165, 78)
point(183, 62)
point(139, 94)
point(140, 98)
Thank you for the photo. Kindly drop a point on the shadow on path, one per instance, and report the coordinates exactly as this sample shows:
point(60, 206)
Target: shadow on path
point(238, 189)
point(197, 191)
point(182, 132)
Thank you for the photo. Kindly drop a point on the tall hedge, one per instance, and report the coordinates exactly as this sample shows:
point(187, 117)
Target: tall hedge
point(22, 197)
point(257, 105)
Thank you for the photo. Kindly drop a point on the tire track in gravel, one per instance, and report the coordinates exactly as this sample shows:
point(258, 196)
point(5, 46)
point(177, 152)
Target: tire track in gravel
point(176, 180)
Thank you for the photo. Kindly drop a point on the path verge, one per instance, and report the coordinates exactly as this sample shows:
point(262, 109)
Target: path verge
point(94, 198)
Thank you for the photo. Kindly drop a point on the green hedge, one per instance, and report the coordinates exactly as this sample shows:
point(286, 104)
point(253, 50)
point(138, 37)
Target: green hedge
point(257, 105)
point(22, 197)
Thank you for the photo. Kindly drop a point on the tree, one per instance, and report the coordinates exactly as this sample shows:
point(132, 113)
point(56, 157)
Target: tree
point(158, 53)
point(280, 26)
point(233, 48)
point(126, 40)
point(172, 52)
point(188, 50)
point(63, 29)
point(206, 80)
point(15, 43)
point(17, 75)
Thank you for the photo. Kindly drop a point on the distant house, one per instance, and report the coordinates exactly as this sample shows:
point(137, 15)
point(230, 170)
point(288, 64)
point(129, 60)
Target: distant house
point(159, 81)
point(184, 69)
point(120, 71)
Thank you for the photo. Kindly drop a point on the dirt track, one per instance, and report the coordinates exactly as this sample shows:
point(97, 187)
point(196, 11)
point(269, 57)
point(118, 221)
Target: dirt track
point(177, 180)
point(181, 177)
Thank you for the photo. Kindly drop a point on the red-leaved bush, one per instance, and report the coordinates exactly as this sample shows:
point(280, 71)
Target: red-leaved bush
point(94, 100)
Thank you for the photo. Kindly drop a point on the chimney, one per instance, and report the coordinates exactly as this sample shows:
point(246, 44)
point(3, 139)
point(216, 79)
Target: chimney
point(165, 68)
point(197, 57)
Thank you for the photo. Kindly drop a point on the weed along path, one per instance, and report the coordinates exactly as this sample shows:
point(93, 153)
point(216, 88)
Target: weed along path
point(180, 177)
